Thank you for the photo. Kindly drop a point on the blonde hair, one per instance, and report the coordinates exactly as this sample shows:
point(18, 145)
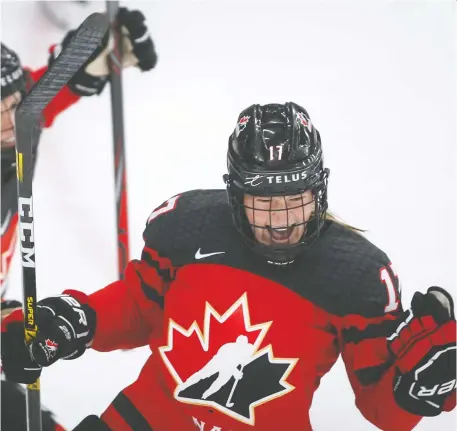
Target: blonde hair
point(334, 218)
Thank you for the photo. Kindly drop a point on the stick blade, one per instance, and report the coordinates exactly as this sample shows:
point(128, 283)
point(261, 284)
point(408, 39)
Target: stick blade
point(87, 38)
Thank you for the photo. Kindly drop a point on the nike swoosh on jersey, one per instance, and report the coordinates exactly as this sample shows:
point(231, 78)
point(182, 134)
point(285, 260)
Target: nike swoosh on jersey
point(200, 255)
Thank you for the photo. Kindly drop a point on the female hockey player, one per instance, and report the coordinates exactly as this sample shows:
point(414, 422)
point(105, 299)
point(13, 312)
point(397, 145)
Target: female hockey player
point(247, 296)
point(15, 82)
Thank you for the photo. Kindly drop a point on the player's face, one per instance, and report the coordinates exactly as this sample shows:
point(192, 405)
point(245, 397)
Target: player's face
point(279, 219)
point(9, 104)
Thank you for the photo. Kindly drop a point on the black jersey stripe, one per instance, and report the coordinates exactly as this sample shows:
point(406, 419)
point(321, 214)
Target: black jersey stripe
point(356, 335)
point(370, 375)
point(164, 273)
point(130, 413)
point(150, 292)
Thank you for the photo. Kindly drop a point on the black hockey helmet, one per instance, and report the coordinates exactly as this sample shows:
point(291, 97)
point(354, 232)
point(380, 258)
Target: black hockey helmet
point(276, 151)
point(12, 73)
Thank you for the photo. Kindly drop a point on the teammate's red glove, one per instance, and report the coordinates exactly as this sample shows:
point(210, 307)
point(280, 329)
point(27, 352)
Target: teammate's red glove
point(424, 348)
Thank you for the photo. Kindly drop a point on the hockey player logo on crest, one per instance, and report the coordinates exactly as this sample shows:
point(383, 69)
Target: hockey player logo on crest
point(225, 365)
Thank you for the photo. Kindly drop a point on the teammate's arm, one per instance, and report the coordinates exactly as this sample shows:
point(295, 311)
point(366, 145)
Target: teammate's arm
point(138, 51)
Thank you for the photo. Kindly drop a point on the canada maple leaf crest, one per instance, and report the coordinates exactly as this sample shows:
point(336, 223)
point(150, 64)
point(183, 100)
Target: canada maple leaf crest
point(242, 123)
point(225, 364)
point(49, 348)
point(305, 122)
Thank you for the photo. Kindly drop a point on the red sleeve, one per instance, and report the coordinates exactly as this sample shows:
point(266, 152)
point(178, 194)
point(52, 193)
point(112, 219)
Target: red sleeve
point(64, 99)
point(371, 371)
point(130, 311)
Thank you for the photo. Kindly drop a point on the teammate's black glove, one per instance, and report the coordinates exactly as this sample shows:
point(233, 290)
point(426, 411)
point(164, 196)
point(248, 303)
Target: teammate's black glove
point(137, 43)
point(66, 324)
point(424, 348)
point(138, 50)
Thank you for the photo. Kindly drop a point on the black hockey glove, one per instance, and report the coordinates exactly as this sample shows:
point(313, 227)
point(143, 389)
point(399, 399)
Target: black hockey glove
point(138, 50)
point(137, 43)
point(424, 348)
point(66, 325)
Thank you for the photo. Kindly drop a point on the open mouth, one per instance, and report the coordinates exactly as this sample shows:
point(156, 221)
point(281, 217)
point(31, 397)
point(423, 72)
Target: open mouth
point(281, 234)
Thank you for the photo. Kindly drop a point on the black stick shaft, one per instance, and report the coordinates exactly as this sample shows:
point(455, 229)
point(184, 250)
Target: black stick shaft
point(117, 113)
point(27, 134)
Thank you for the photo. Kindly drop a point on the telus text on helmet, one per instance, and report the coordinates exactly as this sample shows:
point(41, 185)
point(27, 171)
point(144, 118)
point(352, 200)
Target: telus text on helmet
point(257, 180)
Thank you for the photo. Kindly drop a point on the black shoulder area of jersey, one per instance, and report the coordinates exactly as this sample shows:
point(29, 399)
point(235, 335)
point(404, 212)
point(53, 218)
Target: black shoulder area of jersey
point(187, 222)
point(341, 273)
point(343, 270)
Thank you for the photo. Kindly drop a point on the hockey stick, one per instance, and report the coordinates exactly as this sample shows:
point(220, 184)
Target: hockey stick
point(229, 400)
point(28, 118)
point(117, 115)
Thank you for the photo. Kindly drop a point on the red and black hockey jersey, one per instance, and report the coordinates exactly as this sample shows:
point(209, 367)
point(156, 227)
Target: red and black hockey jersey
point(239, 344)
